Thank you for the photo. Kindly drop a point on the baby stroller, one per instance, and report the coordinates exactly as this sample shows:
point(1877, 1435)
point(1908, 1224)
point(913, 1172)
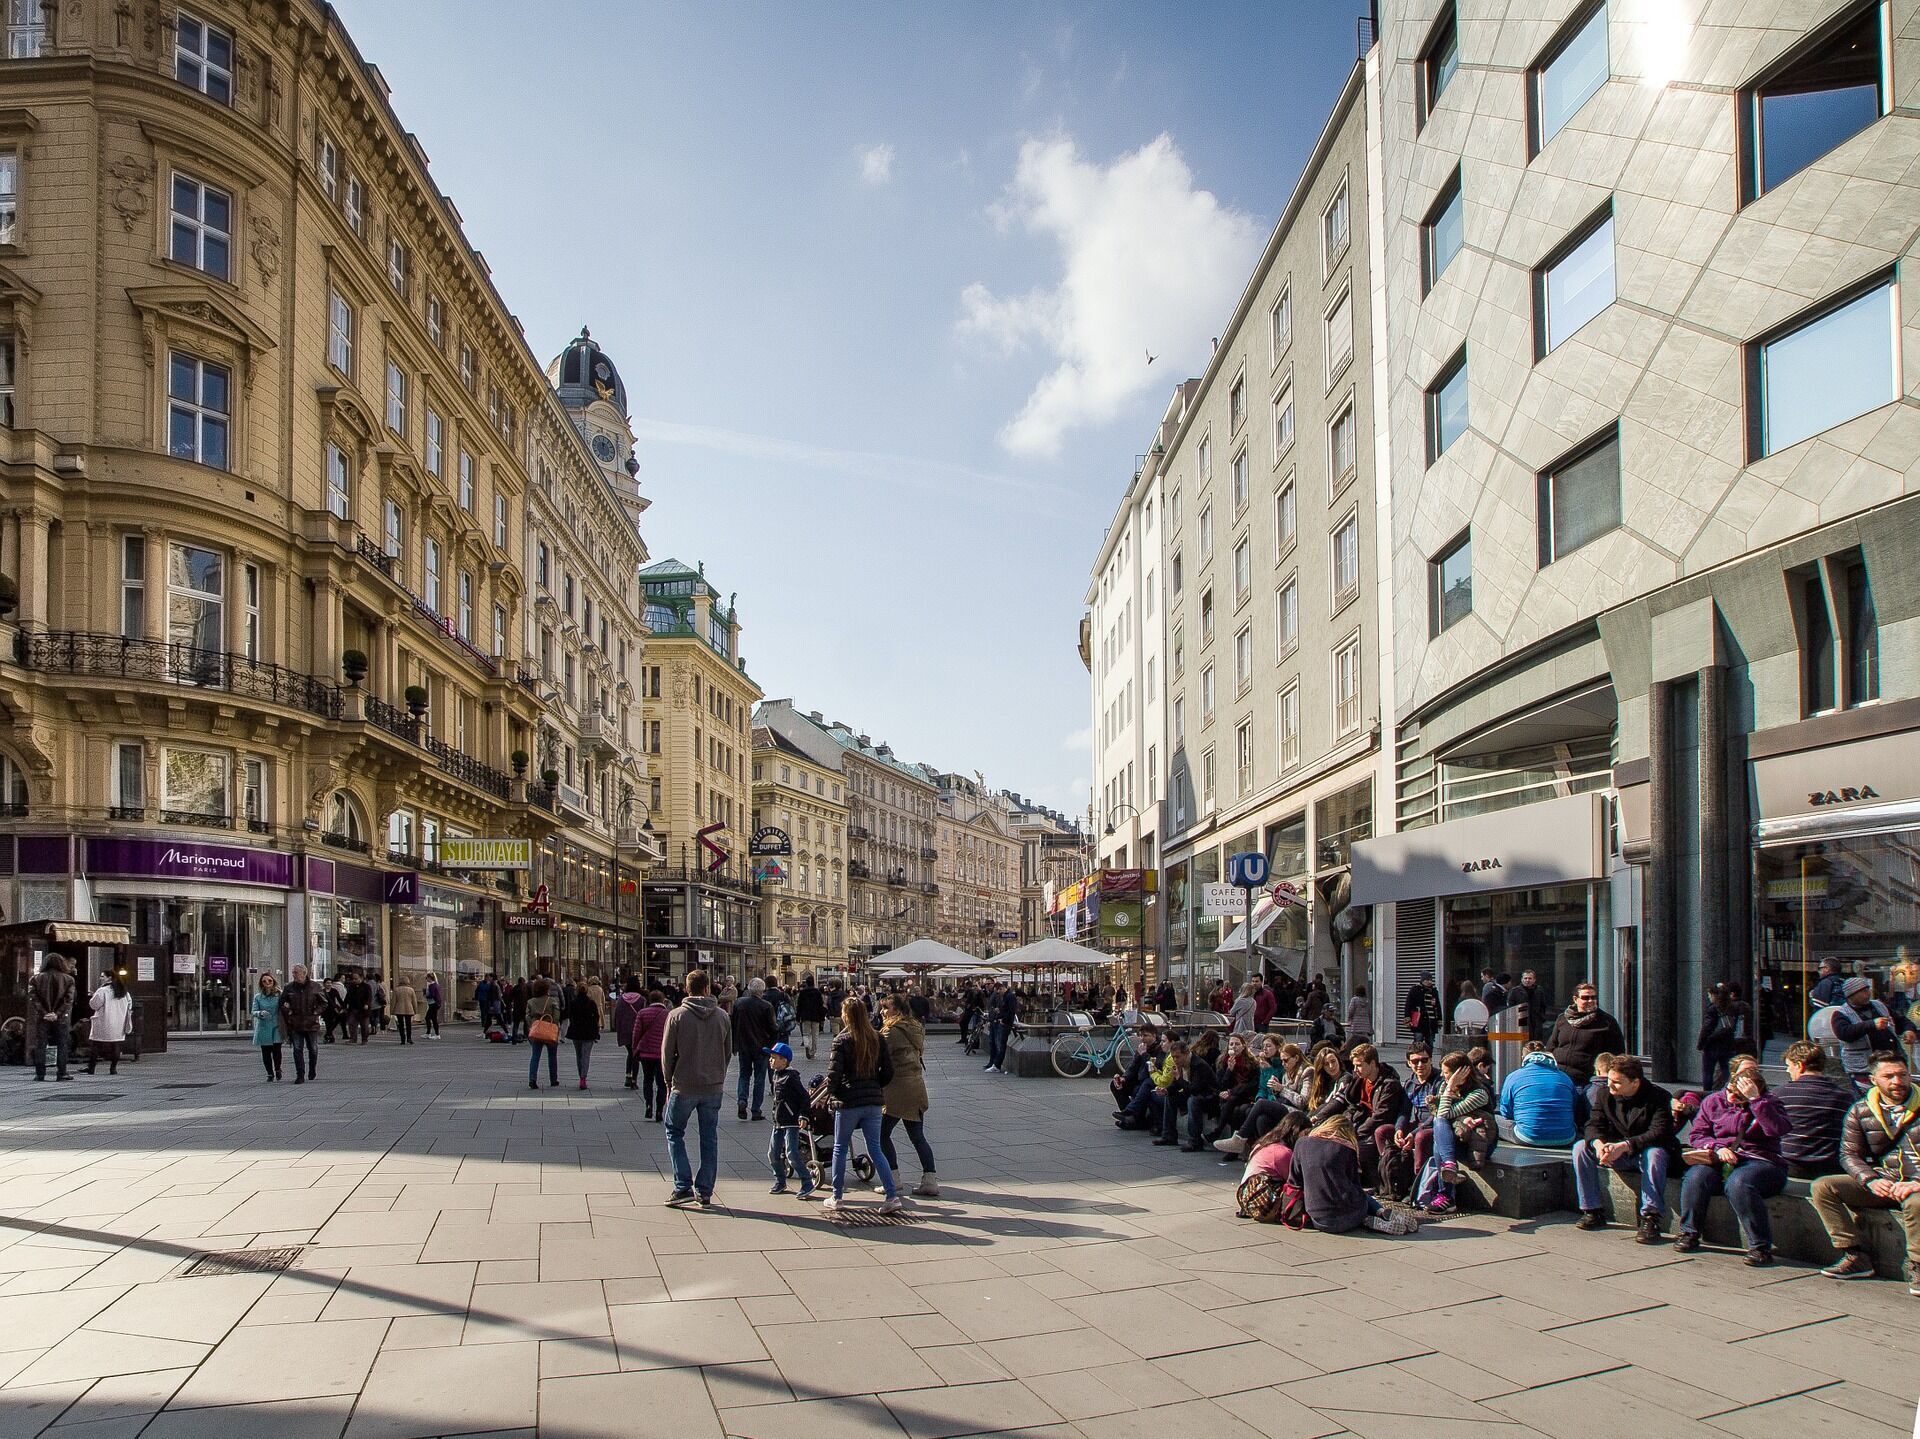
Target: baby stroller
point(820, 1132)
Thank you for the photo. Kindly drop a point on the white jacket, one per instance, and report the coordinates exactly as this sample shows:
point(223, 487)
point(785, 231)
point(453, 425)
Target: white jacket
point(112, 1018)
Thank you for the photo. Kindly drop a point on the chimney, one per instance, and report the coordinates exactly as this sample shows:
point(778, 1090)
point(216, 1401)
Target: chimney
point(814, 715)
point(865, 742)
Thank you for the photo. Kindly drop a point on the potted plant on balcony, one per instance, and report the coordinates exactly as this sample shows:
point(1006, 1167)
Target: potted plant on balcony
point(416, 700)
point(519, 758)
point(9, 595)
point(550, 778)
point(353, 664)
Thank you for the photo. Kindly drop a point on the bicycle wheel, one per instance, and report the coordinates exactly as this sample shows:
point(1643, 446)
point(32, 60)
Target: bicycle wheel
point(1070, 1057)
point(1124, 1052)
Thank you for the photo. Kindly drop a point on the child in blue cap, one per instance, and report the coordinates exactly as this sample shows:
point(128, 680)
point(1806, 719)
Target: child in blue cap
point(791, 1107)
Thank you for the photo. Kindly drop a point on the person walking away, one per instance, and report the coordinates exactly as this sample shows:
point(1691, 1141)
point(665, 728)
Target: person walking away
point(380, 1011)
point(629, 1004)
point(1817, 1108)
point(1734, 1149)
point(1864, 1027)
point(1326, 1166)
point(266, 1024)
point(1005, 1013)
point(50, 1004)
point(583, 1028)
point(333, 998)
point(486, 999)
point(1882, 1160)
point(1542, 1104)
point(649, 1026)
point(404, 1005)
point(112, 1022)
point(1359, 1019)
point(858, 1072)
point(753, 1036)
point(431, 994)
point(359, 1009)
point(1243, 1015)
point(810, 1008)
point(543, 1034)
point(693, 1058)
point(905, 1101)
point(517, 1002)
point(1582, 1033)
point(1630, 1131)
point(1424, 1016)
point(302, 1004)
point(597, 992)
point(792, 1117)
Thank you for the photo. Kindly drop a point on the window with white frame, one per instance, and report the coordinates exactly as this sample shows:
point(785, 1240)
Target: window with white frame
point(1823, 369)
point(1280, 326)
point(1290, 727)
point(1176, 574)
point(1243, 757)
point(1242, 481)
point(1206, 533)
point(129, 779)
point(1346, 559)
point(339, 483)
point(199, 399)
point(328, 164)
point(1282, 422)
point(499, 631)
point(433, 574)
point(1206, 459)
point(133, 587)
point(339, 333)
point(466, 482)
point(393, 530)
point(26, 29)
point(1343, 447)
point(202, 227)
point(9, 197)
point(1346, 688)
point(398, 262)
point(1242, 572)
point(396, 399)
point(1242, 659)
point(1206, 615)
point(196, 785)
point(1206, 695)
point(1335, 228)
point(436, 444)
point(255, 798)
point(436, 322)
point(356, 205)
point(499, 520)
point(1339, 322)
point(7, 411)
point(203, 57)
point(468, 368)
point(1207, 779)
point(1237, 404)
point(1286, 618)
point(1286, 518)
point(196, 606)
point(465, 619)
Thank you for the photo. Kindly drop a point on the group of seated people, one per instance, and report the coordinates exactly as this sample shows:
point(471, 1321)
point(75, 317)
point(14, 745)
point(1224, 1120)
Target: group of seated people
point(1353, 1135)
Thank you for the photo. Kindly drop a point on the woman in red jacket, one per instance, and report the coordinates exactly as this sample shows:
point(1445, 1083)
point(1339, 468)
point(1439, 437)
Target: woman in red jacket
point(649, 1024)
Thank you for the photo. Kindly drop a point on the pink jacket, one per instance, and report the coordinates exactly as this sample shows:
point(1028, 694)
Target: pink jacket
point(648, 1027)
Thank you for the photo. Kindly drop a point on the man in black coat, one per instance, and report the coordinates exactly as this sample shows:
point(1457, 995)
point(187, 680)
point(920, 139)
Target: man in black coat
point(753, 1036)
point(1583, 1033)
point(1424, 1014)
point(1379, 1101)
point(1631, 1131)
point(810, 1010)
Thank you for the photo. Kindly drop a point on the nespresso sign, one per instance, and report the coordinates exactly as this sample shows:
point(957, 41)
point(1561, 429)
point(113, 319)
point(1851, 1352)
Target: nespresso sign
point(1820, 798)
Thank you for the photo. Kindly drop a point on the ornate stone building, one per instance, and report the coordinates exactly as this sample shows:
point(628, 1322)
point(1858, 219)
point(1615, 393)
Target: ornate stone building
point(803, 907)
point(979, 870)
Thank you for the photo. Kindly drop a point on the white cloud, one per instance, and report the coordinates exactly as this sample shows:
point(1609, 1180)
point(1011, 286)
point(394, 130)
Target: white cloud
point(876, 164)
point(1080, 740)
point(1148, 264)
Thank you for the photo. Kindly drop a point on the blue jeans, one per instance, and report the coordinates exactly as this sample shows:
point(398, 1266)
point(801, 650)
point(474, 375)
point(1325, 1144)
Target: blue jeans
point(865, 1119)
point(754, 1067)
point(997, 1045)
point(789, 1148)
point(1748, 1188)
point(680, 1108)
point(1650, 1164)
point(552, 1052)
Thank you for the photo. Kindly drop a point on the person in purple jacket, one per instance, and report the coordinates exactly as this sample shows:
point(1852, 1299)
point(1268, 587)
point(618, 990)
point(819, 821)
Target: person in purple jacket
point(1734, 1149)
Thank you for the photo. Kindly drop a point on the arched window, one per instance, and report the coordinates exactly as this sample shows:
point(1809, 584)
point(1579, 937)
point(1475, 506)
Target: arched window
point(343, 818)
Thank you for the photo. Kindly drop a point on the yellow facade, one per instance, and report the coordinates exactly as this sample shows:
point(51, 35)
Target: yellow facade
point(803, 918)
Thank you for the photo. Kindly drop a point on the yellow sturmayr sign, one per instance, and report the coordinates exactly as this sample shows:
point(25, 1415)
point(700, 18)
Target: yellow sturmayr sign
point(486, 853)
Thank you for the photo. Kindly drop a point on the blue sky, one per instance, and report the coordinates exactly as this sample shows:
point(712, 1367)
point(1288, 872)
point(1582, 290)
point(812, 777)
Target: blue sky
point(881, 279)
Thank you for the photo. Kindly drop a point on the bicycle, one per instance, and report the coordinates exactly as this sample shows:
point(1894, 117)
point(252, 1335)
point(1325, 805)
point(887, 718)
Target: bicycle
point(1075, 1055)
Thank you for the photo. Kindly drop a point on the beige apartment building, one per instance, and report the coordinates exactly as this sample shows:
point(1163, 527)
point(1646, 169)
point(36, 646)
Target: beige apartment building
point(979, 872)
point(697, 704)
point(265, 452)
point(803, 894)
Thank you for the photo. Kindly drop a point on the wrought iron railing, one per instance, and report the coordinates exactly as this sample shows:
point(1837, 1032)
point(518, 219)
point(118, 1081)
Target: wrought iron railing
point(335, 840)
point(187, 816)
point(542, 797)
point(384, 716)
point(13, 809)
point(126, 811)
point(76, 652)
point(389, 566)
point(468, 769)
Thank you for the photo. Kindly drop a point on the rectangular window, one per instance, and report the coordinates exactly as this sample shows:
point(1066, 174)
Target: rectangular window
point(1287, 618)
point(356, 205)
point(340, 333)
point(1824, 370)
point(433, 574)
point(1346, 560)
point(1346, 688)
point(1440, 62)
point(1580, 498)
point(329, 167)
point(1571, 72)
point(1206, 616)
point(1242, 486)
point(1242, 659)
point(1817, 650)
point(1243, 757)
point(1179, 650)
point(129, 779)
point(436, 322)
point(1339, 336)
point(397, 267)
point(1863, 635)
point(1574, 284)
point(1176, 573)
point(198, 414)
point(468, 370)
point(1207, 779)
point(1814, 101)
point(392, 536)
point(499, 521)
point(396, 399)
point(1179, 720)
point(1290, 728)
point(133, 587)
point(339, 483)
point(1282, 422)
point(1242, 572)
point(1334, 228)
point(1450, 585)
point(253, 793)
point(1153, 773)
point(465, 620)
point(1206, 459)
point(1447, 407)
point(436, 444)
point(25, 28)
point(7, 414)
point(203, 57)
point(1280, 325)
point(1286, 521)
point(197, 785)
point(1443, 233)
point(202, 233)
point(1343, 447)
point(1206, 695)
point(196, 605)
point(466, 482)
point(1206, 533)
point(9, 197)
point(1237, 405)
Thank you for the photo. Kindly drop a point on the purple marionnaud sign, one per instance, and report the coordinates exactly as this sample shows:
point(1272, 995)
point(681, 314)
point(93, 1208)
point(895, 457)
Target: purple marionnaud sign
point(186, 859)
point(219, 964)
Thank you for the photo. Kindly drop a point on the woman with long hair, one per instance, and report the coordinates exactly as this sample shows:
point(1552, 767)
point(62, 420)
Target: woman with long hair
point(857, 1075)
point(1326, 1166)
point(543, 1008)
point(1282, 1087)
point(1272, 1152)
point(267, 1034)
point(112, 1008)
point(905, 1101)
point(1326, 1074)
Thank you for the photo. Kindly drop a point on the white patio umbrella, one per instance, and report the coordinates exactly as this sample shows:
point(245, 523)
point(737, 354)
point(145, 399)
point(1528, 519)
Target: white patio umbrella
point(924, 954)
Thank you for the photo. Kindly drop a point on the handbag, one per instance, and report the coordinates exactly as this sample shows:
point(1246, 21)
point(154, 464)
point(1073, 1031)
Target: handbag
point(544, 1030)
point(1262, 1198)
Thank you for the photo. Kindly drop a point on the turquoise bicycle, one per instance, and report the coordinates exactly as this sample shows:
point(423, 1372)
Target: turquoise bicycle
point(1076, 1054)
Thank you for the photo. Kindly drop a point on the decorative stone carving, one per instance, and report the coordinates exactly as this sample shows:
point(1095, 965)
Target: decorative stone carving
point(130, 180)
point(266, 247)
point(123, 24)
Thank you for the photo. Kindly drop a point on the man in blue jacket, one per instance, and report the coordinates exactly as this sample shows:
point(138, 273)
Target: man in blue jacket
point(1542, 1102)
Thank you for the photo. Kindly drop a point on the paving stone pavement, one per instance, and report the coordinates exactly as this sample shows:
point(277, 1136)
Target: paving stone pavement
point(479, 1259)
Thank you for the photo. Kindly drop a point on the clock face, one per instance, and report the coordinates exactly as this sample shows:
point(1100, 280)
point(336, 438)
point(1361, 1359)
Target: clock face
point(603, 449)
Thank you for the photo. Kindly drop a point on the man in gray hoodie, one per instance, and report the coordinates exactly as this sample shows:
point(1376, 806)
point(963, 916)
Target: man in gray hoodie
point(693, 1057)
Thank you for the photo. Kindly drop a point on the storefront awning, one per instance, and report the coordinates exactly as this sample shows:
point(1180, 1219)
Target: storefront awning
point(1266, 913)
point(1558, 841)
point(72, 931)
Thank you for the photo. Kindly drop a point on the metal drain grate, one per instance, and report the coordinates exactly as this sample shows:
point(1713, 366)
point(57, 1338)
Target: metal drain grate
point(187, 1084)
point(244, 1261)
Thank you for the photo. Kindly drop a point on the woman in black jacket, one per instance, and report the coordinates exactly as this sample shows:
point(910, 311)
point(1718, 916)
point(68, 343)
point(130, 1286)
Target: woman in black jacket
point(858, 1072)
point(583, 1028)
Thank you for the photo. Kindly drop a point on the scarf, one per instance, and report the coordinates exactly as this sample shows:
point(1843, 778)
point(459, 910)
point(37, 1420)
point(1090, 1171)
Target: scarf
point(1890, 1122)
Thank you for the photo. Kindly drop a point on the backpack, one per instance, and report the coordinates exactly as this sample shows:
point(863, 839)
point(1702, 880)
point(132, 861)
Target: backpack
point(1262, 1198)
point(782, 1019)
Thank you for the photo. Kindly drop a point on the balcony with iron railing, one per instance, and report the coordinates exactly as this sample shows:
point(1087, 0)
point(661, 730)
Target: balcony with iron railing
point(142, 661)
point(198, 818)
point(388, 567)
point(458, 763)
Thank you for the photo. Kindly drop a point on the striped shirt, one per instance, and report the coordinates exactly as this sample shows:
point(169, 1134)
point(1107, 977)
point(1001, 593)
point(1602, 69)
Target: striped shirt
point(1818, 1107)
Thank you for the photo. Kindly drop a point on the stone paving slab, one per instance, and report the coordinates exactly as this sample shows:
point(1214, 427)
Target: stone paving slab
point(477, 1259)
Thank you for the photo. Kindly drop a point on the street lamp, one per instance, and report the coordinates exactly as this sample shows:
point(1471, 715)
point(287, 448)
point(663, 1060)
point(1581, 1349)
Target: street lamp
point(1142, 938)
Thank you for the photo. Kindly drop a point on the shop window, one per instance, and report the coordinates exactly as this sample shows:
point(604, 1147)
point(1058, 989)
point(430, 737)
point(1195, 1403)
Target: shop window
point(203, 57)
point(196, 785)
point(199, 401)
point(1504, 779)
point(1447, 407)
point(1450, 585)
point(1574, 284)
point(1580, 498)
point(1568, 75)
point(1824, 369)
point(1339, 822)
point(202, 228)
point(1815, 100)
point(1443, 233)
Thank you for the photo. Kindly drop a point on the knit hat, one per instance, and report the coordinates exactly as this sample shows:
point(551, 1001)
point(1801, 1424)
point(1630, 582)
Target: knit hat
point(1859, 984)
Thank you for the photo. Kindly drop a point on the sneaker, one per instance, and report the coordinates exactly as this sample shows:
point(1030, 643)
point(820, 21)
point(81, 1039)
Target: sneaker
point(893, 1205)
point(1649, 1230)
point(1851, 1265)
point(1686, 1243)
point(1393, 1221)
point(1233, 1145)
point(779, 1189)
point(806, 1194)
point(929, 1186)
point(831, 1208)
point(1442, 1207)
point(680, 1198)
point(1914, 1288)
point(1592, 1219)
point(706, 1201)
